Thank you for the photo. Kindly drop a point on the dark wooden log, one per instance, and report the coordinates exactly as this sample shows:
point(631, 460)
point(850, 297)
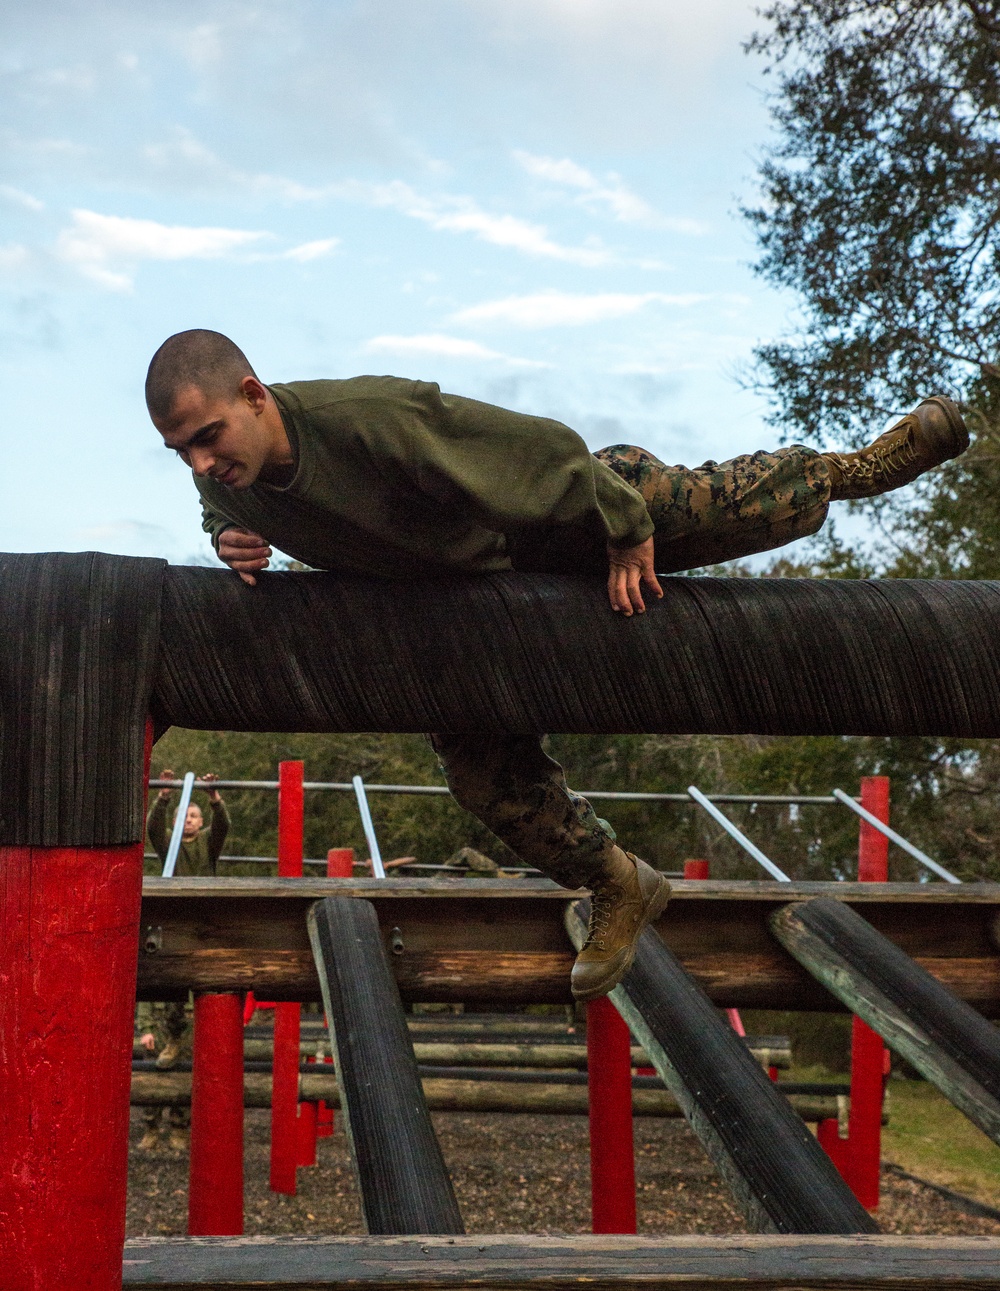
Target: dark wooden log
point(504, 940)
point(779, 1175)
point(173, 1089)
point(325, 652)
point(489, 1263)
point(946, 1040)
point(404, 1185)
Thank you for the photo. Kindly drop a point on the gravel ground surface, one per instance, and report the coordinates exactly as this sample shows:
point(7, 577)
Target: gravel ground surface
point(512, 1174)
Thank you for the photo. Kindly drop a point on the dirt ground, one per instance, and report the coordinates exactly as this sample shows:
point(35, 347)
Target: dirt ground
point(512, 1174)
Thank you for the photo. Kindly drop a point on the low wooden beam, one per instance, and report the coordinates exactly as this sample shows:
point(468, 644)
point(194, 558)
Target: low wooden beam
point(949, 1043)
point(504, 940)
point(173, 1089)
point(491, 1263)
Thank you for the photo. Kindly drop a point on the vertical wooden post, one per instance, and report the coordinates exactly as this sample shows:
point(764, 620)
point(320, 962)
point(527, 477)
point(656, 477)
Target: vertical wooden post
point(696, 869)
point(285, 1067)
point(215, 1192)
point(69, 946)
point(339, 865)
point(867, 1049)
point(612, 1153)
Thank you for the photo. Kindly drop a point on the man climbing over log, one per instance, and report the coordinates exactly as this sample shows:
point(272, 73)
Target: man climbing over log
point(389, 478)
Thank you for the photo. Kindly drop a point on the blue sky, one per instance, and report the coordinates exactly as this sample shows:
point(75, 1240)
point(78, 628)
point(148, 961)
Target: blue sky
point(532, 202)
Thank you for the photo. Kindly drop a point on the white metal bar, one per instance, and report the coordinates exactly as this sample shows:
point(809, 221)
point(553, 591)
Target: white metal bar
point(893, 837)
point(733, 832)
point(366, 820)
point(607, 795)
point(178, 830)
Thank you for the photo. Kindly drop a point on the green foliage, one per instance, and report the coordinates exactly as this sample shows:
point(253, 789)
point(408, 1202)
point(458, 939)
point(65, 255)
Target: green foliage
point(879, 206)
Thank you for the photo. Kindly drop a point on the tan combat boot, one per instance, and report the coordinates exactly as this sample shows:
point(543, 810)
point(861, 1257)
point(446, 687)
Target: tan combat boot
point(168, 1055)
point(149, 1141)
point(629, 895)
point(933, 433)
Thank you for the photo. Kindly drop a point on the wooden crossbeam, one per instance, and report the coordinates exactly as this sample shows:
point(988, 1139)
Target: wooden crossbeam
point(503, 940)
point(948, 1042)
point(492, 1263)
point(404, 1185)
point(781, 1178)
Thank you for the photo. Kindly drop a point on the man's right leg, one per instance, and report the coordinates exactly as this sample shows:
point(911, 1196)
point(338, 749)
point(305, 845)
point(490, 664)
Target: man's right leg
point(723, 511)
point(511, 785)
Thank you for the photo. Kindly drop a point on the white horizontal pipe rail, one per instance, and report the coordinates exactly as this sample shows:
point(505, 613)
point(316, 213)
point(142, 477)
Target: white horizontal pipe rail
point(744, 842)
point(893, 837)
point(606, 795)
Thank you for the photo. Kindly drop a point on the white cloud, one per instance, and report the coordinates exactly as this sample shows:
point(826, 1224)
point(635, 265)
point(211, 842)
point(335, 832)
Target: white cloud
point(449, 347)
point(185, 162)
point(562, 309)
point(18, 197)
point(13, 256)
point(459, 214)
point(610, 192)
point(107, 247)
point(311, 250)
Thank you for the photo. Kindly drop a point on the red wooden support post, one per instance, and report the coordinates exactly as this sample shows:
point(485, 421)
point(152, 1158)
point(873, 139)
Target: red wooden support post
point(285, 1067)
point(867, 1049)
point(215, 1193)
point(69, 946)
point(696, 869)
point(612, 1153)
point(308, 1132)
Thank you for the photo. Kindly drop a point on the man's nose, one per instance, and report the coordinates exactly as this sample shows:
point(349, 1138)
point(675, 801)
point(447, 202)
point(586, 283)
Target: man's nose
point(202, 460)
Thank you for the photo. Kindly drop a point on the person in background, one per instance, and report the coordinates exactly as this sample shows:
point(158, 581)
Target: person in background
point(168, 1026)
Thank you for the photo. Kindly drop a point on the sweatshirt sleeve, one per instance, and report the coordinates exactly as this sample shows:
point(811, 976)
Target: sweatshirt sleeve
point(156, 827)
point(213, 523)
point(218, 832)
point(506, 471)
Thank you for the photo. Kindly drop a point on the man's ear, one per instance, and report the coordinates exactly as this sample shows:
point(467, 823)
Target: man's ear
point(254, 393)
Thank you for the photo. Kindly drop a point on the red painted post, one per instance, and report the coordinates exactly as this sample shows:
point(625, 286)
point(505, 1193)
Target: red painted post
point(215, 1192)
point(867, 1049)
point(308, 1132)
point(612, 1153)
point(69, 946)
point(696, 869)
point(285, 1066)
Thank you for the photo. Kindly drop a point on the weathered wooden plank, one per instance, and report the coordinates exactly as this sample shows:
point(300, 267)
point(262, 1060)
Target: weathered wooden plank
point(946, 1040)
point(404, 1185)
point(504, 940)
point(173, 1089)
point(503, 1263)
point(779, 1175)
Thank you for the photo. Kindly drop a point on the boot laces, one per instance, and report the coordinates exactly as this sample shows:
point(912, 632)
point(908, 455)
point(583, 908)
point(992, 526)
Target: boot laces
point(882, 459)
point(601, 902)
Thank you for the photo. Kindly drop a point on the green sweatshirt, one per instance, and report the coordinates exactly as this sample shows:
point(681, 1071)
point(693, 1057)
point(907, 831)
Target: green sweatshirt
point(393, 478)
point(202, 853)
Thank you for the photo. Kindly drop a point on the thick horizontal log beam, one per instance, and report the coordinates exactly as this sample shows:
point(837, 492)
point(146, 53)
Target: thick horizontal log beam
point(489, 1263)
point(325, 652)
point(505, 941)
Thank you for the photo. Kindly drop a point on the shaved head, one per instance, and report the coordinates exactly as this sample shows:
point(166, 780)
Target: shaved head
point(209, 361)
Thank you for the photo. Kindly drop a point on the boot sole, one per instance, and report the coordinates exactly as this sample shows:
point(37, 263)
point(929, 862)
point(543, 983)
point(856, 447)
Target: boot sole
point(657, 905)
point(954, 442)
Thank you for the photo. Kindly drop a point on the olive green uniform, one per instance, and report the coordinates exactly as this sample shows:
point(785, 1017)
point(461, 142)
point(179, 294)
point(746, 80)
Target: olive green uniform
point(201, 854)
point(394, 479)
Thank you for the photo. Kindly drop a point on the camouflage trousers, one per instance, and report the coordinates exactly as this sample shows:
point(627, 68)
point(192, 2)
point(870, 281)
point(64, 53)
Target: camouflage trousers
point(702, 515)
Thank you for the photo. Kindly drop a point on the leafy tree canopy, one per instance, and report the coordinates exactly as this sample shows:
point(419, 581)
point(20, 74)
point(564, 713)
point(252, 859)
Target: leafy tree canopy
point(881, 207)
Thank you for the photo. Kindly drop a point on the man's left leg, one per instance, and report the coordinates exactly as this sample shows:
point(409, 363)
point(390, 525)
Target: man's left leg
point(511, 785)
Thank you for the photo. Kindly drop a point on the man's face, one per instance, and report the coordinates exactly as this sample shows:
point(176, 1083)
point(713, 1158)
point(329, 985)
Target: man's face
point(193, 821)
point(217, 436)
